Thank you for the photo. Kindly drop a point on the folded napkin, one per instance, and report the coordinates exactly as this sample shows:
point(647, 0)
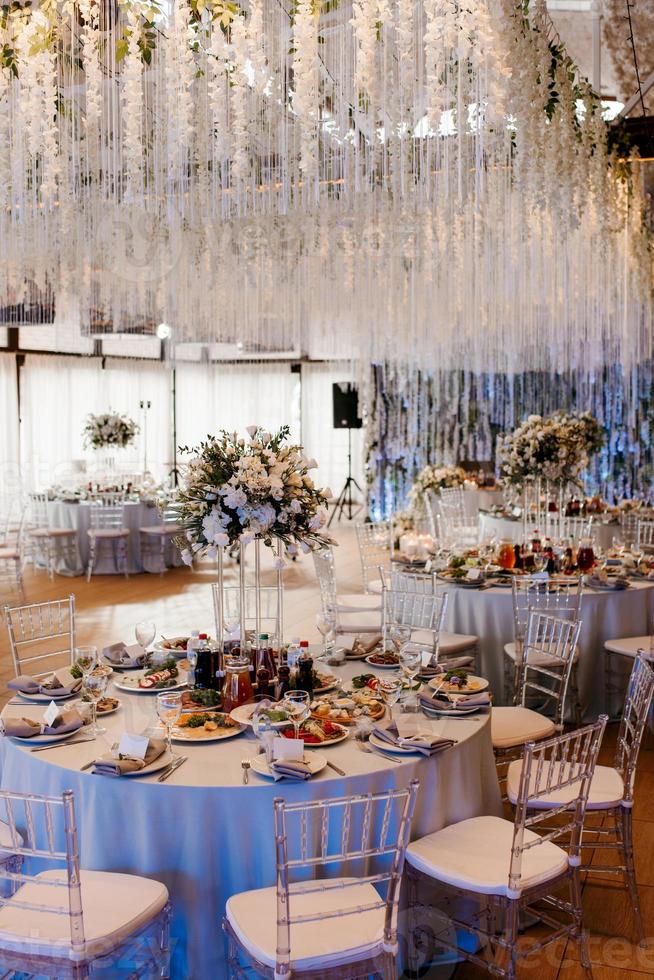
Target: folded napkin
point(461, 701)
point(422, 742)
point(290, 769)
point(121, 655)
point(60, 682)
point(114, 765)
point(452, 663)
point(68, 721)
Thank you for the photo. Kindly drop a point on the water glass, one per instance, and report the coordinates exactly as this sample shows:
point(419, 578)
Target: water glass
point(326, 623)
point(96, 687)
point(86, 659)
point(399, 635)
point(298, 706)
point(169, 708)
point(410, 664)
point(145, 633)
point(390, 689)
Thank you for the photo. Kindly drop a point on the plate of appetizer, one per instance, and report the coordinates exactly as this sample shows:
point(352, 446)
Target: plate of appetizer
point(163, 677)
point(45, 739)
point(458, 681)
point(316, 762)
point(173, 645)
point(349, 709)
point(205, 726)
point(385, 661)
point(315, 732)
point(276, 716)
point(103, 706)
point(323, 682)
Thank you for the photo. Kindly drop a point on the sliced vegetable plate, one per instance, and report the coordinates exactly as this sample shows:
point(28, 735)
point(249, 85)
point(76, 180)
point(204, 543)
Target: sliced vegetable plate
point(243, 716)
point(131, 683)
point(337, 733)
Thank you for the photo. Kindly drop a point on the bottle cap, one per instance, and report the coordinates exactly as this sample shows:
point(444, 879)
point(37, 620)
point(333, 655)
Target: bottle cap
point(202, 636)
point(304, 643)
point(263, 636)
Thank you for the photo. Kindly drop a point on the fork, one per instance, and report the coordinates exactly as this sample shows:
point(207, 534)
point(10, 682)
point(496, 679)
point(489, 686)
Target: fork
point(245, 765)
point(364, 747)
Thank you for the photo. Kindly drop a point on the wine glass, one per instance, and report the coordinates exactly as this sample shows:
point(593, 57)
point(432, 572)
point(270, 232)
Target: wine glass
point(96, 687)
point(263, 730)
point(410, 663)
point(86, 659)
point(298, 706)
point(390, 689)
point(326, 623)
point(399, 635)
point(145, 633)
point(169, 708)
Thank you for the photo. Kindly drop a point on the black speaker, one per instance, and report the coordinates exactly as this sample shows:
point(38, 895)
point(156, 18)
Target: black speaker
point(346, 406)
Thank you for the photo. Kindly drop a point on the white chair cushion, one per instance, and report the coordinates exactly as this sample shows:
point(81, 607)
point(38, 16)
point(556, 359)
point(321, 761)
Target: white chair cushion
point(115, 906)
point(107, 532)
point(475, 854)
point(375, 587)
point(359, 622)
point(253, 917)
point(516, 725)
point(606, 789)
point(534, 658)
point(451, 643)
point(53, 532)
point(162, 529)
point(629, 646)
point(358, 603)
point(7, 554)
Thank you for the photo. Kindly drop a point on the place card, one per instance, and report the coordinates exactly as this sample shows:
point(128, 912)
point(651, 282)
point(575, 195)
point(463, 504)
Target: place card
point(291, 749)
point(135, 746)
point(474, 574)
point(51, 714)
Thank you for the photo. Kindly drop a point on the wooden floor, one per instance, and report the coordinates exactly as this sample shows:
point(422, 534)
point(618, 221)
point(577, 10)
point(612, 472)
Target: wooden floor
point(109, 607)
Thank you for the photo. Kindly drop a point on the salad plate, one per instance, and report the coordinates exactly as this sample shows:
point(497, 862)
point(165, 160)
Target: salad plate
point(316, 762)
point(133, 682)
point(243, 716)
point(448, 684)
point(205, 726)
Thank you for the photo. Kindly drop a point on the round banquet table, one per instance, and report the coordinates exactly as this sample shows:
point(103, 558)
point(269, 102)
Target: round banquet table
point(136, 514)
point(488, 614)
point(510, 529)
point(206, 835)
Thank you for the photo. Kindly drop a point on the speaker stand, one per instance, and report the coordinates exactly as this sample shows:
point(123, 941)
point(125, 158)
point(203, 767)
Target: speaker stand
point(345, 496)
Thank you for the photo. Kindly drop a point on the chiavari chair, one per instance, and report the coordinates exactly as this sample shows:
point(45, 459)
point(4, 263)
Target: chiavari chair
point(156, 539)
point(352, 613)
point(50, 544)
point(41, 636)
point(374, 542)
point(107, 530)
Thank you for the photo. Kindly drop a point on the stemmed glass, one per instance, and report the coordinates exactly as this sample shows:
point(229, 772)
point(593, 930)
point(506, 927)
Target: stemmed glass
point(96, 686)
point(169, 708)
point(410, 664)
point(145, 633)
point(86, 658)
point(390, 689)
point(399, 635)
point(298, 706)
point(326, 623)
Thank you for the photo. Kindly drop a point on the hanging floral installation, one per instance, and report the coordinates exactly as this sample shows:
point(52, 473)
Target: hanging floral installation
point(418, 182)
point(451, 416)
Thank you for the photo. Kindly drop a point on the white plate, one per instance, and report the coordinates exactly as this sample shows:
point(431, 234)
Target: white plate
point(382, 666)
point(179, 736)
point(121, 667)
point(156, 766)
point(482, 683)
point(44, 739)
point(161, 648)
point(243, 715)
point(101, 714)
point(379, 743)
point(333, 741)
point(316, 763)
point(131, 683)
point(453, 712)
point(335, 683)
point(46, 698)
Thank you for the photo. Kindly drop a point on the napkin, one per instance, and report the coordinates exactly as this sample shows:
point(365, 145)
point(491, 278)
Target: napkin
point(439, 701)
point(121, 655)
point(112, 765)
point(290, 769)
point(60, 682)
point(423, 742)
point(68, 721)
point(444, 665)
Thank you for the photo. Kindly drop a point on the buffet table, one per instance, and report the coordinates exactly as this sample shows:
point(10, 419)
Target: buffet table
point(136, 514)
point(206, 835)
point(504, 528)
point(488, 614)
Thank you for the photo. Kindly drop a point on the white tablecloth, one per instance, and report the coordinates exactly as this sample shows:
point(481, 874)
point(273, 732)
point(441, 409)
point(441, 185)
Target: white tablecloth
point(136, 514)
point(488, 614)
point(510, 529)
point(207, 836)
point(478, 498)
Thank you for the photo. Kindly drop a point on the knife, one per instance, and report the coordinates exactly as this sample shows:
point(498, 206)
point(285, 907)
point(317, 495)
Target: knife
point(62, 744)
point(171, 768)
point(335, 768)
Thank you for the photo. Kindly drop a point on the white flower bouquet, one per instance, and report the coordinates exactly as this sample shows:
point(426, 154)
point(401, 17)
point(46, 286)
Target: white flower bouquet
point(237, 490)
point(434, 478)
point(109, 430)
point(557, 448)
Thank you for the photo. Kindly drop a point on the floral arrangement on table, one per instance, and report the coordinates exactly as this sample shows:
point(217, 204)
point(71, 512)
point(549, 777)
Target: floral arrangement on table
point(557, 448)
point(237, 490)
point(109, 430)
point(435, 478)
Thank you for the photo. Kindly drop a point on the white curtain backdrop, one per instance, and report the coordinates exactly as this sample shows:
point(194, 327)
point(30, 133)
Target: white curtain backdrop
point(57, 393)
point(211, 397)
point(9, 454)
point(321, 440)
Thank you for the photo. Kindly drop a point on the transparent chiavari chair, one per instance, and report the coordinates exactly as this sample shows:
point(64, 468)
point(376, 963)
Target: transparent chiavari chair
point(504, 867)
point(57, 919)
point(569, 528)
point(422, 611)
point(268, 613)
point(49, 544)
point(107, 530)
point(312, 923)
point(156, 539)
point(11, 558)
point(353, 613)
point(611, 794)
point(455, 528)
point(41, 636)
point(111, 498)
point(645, 535)
point(547, 658)
point(628, 529)
point(530, 594)
point(374, 541)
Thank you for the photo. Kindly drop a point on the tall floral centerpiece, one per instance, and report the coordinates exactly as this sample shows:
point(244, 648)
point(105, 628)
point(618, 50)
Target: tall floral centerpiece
point(431, 479)
point(109, 431)
point(555, 449)
point(251, 491)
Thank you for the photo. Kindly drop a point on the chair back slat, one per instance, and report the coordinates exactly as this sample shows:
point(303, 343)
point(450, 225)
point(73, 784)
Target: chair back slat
point(370, 830)
point(634, 719)
point(531, 593)
point(374, 541)
point(564, 764)
point(645, 535)
point(106, 516)
point(41, 635)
